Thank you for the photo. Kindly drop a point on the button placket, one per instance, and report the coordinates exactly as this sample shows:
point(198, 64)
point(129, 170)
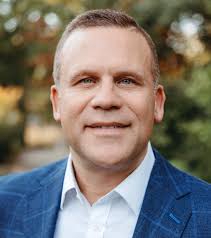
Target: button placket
point(98, 219)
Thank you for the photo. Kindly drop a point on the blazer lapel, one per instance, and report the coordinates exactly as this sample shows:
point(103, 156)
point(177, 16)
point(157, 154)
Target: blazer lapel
point(166, 207)
point(43, 204)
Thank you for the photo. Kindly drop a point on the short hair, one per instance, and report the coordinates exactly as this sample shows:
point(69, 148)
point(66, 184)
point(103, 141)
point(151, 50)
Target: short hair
point(104, 18)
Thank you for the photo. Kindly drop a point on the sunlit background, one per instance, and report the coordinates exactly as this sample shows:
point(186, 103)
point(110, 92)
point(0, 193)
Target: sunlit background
point(29, 31)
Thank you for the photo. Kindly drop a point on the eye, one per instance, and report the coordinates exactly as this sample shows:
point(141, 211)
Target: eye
point(126, 81)
point(87, 80)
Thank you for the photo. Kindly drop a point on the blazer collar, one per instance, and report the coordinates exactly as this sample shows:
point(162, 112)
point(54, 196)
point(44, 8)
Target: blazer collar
point(166, 208)
point(42, 204)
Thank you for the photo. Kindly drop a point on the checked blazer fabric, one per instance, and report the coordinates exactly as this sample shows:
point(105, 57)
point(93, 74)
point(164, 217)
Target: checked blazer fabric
point(175, 204)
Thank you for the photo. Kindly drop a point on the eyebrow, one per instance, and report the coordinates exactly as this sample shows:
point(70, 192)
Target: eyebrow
point(81, 73)
point(129, 73)
point(121, 73)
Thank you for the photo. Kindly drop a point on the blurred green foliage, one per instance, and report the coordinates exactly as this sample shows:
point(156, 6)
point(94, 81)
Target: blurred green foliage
point(29, 31)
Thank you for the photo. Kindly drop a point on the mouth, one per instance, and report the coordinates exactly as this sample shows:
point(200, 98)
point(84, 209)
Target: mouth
point(108, 128)
point(108, 125)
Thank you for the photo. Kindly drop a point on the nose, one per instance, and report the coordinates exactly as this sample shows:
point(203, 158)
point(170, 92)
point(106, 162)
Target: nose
point(106, 96)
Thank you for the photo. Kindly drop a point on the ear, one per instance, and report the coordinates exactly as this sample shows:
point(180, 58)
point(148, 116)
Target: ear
point(160, 98)
point(55, 102)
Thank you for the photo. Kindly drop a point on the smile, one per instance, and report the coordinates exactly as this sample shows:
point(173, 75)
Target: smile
point(108, 125)
point(107, 129)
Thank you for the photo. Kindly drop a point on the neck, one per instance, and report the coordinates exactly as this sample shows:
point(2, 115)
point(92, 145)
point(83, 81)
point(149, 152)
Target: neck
point(95, 182)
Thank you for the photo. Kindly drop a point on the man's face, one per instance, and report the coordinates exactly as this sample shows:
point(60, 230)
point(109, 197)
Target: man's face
point(106, 100)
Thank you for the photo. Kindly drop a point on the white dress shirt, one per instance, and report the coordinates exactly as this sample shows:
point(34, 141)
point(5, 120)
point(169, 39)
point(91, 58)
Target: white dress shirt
point(113, 215)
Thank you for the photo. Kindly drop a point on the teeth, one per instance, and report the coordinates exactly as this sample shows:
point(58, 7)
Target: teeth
point(108, 127)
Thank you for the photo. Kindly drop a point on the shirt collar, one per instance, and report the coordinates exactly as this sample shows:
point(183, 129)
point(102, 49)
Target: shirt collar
point(132, 189)
point(69, 182)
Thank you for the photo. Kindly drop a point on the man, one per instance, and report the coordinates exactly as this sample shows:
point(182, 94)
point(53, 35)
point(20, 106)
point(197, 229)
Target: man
point(107, 98)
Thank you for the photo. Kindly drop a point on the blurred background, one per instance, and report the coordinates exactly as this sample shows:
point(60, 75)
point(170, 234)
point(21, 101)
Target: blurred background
point(29, 32)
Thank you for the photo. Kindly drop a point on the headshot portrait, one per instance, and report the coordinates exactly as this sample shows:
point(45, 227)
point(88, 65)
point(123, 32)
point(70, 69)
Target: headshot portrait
point(108, 98)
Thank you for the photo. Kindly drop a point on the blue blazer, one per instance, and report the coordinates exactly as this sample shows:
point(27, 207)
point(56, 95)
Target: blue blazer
point(175, 204)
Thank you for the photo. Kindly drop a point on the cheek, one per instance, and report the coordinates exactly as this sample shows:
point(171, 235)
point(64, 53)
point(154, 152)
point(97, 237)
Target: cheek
point(70, 122)
point(142, 107)
point(72, 106)
point(68, 111)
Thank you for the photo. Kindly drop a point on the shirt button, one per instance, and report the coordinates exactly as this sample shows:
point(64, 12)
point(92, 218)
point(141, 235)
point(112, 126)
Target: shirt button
point(97, 228)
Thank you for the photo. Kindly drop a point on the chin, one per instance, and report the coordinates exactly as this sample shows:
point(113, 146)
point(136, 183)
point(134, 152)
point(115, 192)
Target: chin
point(106, 160)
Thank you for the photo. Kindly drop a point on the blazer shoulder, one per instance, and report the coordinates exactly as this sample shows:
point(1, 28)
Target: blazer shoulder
point(200, 195)
point(24, 182)
point(199, 189)
point(195, 184)
point(19, 191)
point(181, 177)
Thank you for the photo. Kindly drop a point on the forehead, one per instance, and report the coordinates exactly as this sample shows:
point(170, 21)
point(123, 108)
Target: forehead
point(106, 48)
